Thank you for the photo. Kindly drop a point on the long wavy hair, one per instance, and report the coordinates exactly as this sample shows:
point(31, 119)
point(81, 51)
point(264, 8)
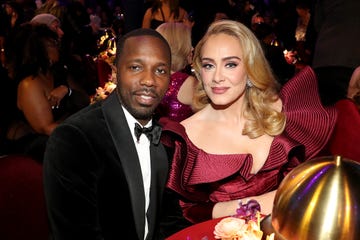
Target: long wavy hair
point(261, 117)
point(178, 36)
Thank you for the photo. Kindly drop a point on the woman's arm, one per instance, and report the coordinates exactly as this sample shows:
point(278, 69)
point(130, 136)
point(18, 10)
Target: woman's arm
point(57, 94)
point(147, 19)
point(33, 102)
point(195, 212)
point(228, 208)
point(186, 91)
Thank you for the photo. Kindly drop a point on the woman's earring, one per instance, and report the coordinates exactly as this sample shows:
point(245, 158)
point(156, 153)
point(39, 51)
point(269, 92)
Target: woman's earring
point(249, 84)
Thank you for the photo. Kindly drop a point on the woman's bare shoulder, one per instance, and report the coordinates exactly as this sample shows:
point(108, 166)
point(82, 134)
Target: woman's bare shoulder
point(30, 83)
point(196, 121)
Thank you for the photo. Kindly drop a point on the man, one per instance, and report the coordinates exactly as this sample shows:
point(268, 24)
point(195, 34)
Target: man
point(51, 21)
point(102, 181)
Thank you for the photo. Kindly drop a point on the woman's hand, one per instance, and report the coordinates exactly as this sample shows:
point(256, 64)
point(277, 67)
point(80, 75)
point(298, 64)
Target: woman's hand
point(228, 208)
point(57, 94)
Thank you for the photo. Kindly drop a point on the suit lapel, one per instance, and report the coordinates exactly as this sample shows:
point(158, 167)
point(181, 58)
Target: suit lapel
point(159, 172)
point(125, 147)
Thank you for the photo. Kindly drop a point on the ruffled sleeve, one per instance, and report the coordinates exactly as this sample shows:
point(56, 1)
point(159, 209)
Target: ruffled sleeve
point(182, 166)
point(175, 138)
point(307, 121)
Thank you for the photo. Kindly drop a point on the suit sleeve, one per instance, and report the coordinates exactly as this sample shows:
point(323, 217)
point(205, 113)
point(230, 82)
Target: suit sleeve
point(70, 184)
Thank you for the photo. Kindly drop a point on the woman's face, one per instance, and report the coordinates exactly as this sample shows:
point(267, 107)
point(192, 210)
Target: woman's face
point(222, 69)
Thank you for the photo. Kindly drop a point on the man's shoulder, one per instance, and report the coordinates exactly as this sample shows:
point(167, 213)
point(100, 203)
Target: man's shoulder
point(91, 110)
point(86, 117)
point(88, 124)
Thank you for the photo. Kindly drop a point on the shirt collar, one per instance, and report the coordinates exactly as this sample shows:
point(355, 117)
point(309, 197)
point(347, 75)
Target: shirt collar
point(131, 122)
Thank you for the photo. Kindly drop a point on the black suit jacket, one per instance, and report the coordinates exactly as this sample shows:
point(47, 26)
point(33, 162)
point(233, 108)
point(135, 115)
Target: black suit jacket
point(93, 181)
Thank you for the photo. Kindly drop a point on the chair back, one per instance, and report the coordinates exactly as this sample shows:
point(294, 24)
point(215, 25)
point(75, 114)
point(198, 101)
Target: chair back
point(22, 201)
point(346, 137)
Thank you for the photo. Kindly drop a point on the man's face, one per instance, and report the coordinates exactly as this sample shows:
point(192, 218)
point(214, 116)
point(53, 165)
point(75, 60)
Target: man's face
point(143, 75)
point(55, 26)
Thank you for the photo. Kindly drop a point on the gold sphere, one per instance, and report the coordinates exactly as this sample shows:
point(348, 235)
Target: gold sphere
point(319, 200)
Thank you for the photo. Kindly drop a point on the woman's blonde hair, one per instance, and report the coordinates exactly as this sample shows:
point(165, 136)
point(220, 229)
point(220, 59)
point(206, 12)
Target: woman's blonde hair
point(261, 117)
point(178, 36)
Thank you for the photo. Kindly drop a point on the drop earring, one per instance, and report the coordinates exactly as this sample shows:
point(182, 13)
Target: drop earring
point(249, 84)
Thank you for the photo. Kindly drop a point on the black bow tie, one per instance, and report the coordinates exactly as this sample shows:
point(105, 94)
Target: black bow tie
point(153, 133)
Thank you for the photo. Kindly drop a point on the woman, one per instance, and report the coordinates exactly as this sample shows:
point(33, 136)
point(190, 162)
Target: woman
point(177, 102)
point(163, 11)
point(40, 101)
point(247, 135)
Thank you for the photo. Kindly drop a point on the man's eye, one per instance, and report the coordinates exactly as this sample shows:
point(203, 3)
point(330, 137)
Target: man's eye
point(135, 68)
point(161, 71)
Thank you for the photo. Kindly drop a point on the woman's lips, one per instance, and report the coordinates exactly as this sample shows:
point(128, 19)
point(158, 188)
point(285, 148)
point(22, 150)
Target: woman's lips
point(219, 90)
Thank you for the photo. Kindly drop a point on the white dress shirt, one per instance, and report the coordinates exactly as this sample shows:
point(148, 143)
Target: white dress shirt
point(143, 151)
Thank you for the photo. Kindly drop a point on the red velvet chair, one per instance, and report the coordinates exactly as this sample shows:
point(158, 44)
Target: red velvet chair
point(345, 140)
point(22, 203)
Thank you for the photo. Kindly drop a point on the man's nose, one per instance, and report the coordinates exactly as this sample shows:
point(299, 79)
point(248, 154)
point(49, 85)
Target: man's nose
point(148, 78)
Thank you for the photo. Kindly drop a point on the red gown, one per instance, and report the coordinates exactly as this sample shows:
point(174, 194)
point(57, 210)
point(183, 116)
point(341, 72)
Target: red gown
point(203, 179)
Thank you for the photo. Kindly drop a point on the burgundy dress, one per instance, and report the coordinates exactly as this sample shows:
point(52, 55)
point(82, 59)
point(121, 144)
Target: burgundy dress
point(170, 106)
point(203, 179)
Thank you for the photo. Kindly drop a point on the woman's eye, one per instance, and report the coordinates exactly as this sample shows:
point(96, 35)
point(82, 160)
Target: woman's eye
point(207, 66)
point(231, 65)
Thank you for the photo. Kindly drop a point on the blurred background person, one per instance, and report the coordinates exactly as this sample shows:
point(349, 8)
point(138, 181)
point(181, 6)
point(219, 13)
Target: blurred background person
point(177, 102)
point(67, 69)
point(163, 11)
point(41, 102)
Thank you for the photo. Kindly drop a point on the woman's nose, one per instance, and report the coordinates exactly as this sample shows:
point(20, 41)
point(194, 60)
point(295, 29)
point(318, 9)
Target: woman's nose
point(218, 76)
